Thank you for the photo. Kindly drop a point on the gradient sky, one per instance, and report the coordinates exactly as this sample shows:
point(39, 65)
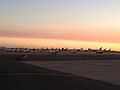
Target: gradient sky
point(60, 23)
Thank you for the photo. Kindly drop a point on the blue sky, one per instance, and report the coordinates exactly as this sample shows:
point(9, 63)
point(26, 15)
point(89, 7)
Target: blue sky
point(63, 9)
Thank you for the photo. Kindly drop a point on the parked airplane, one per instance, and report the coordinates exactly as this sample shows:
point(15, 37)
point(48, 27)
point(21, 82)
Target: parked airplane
point(97, 51)
point(54, 51)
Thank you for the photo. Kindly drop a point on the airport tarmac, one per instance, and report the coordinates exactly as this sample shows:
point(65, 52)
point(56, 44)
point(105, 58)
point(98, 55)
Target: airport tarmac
point(104, 70)
point(16, 75)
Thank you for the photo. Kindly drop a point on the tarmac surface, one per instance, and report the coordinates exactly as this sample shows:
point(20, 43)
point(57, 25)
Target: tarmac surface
point(16, 75)
point(104, 70)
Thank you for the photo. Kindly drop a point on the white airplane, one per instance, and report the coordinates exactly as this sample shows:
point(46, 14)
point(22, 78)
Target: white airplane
point(54, 51)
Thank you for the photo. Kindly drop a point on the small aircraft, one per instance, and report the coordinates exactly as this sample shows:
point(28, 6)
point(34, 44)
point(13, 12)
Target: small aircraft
point(54, 51)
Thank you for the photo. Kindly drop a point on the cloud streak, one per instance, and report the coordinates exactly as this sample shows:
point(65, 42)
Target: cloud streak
point(93, 36)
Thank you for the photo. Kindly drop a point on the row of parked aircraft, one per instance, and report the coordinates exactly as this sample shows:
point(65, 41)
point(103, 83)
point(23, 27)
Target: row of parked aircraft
point(17, 49)
point(100, 50)
point(55, 51)
point(97, 51)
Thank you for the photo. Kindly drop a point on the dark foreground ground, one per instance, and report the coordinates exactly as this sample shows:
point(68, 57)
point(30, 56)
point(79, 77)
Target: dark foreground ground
point(15, 75)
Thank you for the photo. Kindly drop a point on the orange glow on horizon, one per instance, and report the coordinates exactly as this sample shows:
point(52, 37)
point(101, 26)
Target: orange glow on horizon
point(38, 43)
point(81, 33)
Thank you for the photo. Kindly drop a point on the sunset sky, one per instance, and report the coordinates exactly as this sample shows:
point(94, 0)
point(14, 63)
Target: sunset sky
point(60, 23)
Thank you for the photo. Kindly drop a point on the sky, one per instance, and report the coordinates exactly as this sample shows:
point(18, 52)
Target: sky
point(60, 23)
